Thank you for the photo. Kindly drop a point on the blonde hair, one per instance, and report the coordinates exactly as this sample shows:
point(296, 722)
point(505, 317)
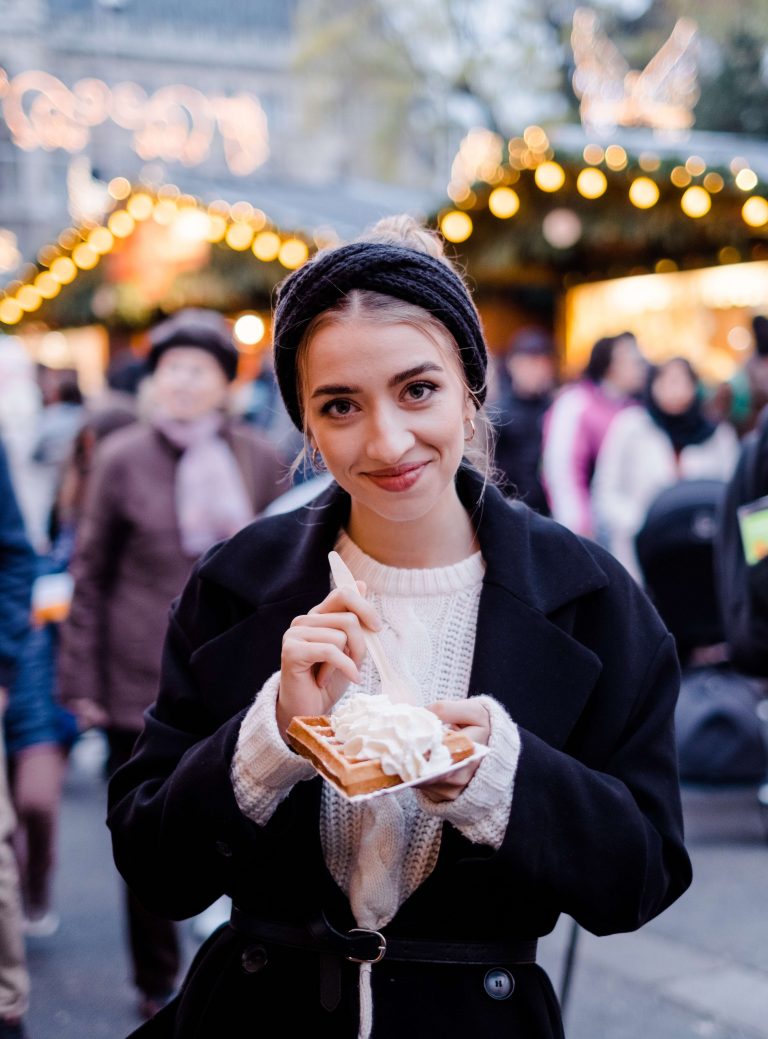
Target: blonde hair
point(377, 308)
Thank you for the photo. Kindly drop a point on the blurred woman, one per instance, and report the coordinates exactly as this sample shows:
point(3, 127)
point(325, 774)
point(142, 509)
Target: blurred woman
point(652, 447)
point(577, 422)
point(159, 493)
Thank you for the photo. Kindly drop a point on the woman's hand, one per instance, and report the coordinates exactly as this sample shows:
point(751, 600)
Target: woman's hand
point(322, 652)
point(89, 714)
point(474, 721)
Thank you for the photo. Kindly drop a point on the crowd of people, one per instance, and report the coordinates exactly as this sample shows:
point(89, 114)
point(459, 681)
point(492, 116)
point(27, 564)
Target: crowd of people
point(121, 494)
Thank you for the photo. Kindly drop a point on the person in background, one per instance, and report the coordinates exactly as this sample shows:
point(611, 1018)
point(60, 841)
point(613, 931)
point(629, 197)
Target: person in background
point(39, 732)
point(58, 420)
point(742, 568)
point(531, 366)
point(652, 447)
point(578, 420)
point(743, 397)
point(159, 493)
point(410, 913)
point(17, 565)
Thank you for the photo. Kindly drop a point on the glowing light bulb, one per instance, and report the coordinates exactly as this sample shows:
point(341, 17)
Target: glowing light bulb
point(643, 192)
point(456, 226)
point(503, 203)
point(591, 183)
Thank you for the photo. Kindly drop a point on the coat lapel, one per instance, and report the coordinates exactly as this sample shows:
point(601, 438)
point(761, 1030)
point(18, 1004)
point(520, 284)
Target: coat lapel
point(522, 657)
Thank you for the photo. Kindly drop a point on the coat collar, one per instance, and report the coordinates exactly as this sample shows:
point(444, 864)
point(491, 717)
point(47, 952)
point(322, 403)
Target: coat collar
point(286, 556)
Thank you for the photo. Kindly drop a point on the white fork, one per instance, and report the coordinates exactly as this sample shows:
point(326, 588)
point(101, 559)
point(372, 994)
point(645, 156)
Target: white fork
point(392, 686)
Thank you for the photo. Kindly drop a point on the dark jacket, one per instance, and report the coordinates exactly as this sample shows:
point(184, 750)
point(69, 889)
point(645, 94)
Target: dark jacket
point(519, 429)
point(743, 589)
point(565, 640)
point(17, 571)
point(129, 565)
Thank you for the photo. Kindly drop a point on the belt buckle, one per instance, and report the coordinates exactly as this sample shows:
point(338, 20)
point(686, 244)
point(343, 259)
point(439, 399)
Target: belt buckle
point(376, 934)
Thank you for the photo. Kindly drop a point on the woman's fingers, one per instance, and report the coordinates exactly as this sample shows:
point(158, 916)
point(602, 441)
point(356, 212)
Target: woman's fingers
point(300, 655)
point(469, 715)
point(449, 788)
point(346, 626)
point(345, 600)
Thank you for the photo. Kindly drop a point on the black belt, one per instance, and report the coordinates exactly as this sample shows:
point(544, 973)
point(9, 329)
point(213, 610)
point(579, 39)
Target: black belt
point(360, 945)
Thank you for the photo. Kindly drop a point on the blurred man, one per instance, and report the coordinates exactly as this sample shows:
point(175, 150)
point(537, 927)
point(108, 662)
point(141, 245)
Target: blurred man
point(530, 364)
point(16, 575)
point(742, 398)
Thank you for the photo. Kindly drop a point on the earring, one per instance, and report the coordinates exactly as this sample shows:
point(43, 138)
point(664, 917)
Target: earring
point(472, 434)
point(313, 460)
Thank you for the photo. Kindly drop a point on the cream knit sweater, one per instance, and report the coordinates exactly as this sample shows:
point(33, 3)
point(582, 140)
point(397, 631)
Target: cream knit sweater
point(379, 851)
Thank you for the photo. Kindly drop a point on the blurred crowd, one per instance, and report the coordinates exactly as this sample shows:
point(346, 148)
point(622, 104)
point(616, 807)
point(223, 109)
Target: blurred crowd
point(119, 493)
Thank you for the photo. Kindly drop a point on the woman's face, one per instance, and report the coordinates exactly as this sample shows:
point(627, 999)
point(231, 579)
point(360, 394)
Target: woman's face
point(386, 408)
point(673, 390)
point(627, 369)
point(188, 383)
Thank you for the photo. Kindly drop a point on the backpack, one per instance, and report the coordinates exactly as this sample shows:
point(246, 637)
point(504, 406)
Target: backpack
point(720, 737)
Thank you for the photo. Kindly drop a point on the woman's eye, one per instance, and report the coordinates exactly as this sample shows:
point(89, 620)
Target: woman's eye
point(337, 408)
point(420, 390)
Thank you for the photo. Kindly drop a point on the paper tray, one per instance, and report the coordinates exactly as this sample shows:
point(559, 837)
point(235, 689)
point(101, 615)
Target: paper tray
point(479, 752)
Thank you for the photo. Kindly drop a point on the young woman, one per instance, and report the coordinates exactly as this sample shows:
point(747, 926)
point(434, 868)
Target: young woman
point(418, 910)
point(653, 447)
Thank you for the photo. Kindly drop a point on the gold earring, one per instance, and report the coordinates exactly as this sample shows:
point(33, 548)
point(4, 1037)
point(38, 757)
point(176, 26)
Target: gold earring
point(472, 434)
point(313, 461)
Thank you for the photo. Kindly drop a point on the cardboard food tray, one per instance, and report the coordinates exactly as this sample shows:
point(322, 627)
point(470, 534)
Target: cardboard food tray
point(479, 752)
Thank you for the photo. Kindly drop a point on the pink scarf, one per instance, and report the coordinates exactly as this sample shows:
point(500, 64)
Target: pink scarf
point(212, 502)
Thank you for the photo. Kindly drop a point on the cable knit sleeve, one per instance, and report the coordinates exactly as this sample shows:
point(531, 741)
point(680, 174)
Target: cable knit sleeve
point(481, 811)
point(264, 768)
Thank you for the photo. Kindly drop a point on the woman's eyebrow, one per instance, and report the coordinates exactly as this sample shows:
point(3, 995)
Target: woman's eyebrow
point(334, 390)
point(410, 373)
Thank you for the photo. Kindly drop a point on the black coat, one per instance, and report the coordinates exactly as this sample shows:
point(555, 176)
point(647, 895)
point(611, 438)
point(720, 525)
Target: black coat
point(565, 640)
point(743, 588)
point(517, 454)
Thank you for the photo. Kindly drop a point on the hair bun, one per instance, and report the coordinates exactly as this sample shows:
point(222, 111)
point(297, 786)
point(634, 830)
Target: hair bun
point(407, 232)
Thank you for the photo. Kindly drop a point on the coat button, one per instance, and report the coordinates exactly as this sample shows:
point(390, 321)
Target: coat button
point(499, 984)
point(254, 959)
point(223, 849)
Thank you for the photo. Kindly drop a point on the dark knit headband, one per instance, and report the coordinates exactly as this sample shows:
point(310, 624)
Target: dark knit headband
point(391, 270)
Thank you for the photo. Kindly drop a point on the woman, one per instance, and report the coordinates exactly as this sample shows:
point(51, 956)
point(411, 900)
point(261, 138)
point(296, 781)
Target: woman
point(650, 448)
point(531, 641)
point(576, 424)
point(158, 494)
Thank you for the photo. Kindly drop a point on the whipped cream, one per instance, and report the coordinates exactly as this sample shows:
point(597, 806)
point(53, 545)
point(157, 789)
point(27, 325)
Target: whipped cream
point(407, 740)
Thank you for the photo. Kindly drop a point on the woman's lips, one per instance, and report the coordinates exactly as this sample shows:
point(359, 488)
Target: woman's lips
point(398, 478)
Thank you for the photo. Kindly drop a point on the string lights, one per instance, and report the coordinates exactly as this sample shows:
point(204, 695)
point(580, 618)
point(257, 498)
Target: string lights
point(479, 177)
point(188, 222)
point(174, 124)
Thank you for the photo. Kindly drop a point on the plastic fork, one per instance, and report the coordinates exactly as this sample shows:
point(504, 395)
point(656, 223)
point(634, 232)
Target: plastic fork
point(392, 686)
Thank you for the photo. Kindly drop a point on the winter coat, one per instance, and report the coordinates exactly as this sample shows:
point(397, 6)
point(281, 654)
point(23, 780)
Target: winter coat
point(574, 651)
point(574, 429)
point(635, 463)
point(129, 565)
point(518, 447)
point(743, 588)
point(17, 571)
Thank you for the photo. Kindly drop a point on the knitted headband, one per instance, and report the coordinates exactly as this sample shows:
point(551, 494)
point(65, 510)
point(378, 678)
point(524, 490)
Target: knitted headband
point(391, 270)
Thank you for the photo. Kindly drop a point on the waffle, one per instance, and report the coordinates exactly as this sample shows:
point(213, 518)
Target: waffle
point(314, 739)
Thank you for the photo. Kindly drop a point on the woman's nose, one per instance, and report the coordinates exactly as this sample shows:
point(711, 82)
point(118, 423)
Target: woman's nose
point(388, 437)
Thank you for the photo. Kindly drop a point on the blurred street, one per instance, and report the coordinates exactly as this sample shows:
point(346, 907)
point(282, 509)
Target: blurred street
point(700, 970)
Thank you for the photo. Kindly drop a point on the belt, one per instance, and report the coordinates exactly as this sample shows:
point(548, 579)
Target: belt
point(360, 945)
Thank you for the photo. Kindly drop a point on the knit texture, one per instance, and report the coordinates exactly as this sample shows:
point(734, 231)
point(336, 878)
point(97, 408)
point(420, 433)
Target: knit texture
point(392, 270)
point(379, 851)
